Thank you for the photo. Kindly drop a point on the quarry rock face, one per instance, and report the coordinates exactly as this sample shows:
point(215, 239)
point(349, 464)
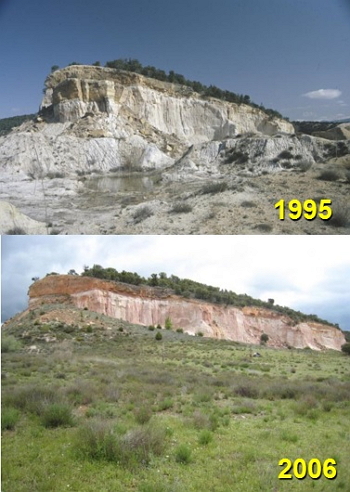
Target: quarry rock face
point(96, 119)
point(151, 306)
point(170, 108)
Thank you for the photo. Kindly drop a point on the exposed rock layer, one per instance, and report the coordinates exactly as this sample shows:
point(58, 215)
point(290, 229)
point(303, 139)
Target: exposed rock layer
point(145, 305)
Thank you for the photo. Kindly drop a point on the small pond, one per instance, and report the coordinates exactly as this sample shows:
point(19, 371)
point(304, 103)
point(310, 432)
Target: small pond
point(124, 182)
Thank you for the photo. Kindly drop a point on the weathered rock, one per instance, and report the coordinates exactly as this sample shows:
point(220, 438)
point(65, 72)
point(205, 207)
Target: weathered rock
point(11, 219)
point(146, 305)
point(170, 108)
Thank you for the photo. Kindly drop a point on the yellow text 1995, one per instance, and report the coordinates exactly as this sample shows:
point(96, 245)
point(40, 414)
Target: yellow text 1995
point(308, 209)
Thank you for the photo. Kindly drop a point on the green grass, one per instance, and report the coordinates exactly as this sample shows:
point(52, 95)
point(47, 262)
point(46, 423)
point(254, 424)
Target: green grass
point(187, 413)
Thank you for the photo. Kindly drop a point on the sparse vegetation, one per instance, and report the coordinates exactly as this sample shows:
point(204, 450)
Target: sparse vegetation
point(181, 208)
point(340, 216)
point(213, 188)
point(16, 231)
point(142, 213)
point(328, 175)
point(151, 414)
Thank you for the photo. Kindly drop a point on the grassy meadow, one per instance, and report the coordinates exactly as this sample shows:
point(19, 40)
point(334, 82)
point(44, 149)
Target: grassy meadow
point(105, 406)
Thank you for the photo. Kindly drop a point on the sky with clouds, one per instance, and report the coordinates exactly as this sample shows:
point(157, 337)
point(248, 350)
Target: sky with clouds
point(290, 55)
point(307, 273)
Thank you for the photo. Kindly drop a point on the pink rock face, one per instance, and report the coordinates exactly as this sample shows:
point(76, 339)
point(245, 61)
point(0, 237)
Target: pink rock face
point(151, 306)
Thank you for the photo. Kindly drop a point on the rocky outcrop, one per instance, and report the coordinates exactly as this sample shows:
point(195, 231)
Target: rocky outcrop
point(12, 221)
point(169, 108)
point(146, 305)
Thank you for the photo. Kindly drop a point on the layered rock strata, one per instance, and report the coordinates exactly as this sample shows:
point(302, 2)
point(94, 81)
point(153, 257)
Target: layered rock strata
point(145, 305)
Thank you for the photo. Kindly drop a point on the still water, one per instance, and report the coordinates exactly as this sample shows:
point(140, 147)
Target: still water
point(135, 182)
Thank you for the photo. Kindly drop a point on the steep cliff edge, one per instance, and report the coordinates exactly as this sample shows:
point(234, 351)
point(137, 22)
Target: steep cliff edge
point(146, 305)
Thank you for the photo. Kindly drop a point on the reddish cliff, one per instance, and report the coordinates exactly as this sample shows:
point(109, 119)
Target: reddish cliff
point(148, 305)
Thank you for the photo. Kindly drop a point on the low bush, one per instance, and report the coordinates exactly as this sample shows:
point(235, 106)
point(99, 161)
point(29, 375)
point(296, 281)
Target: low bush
point(16, 231)
point(248, 204)
point(340, 217)
point(205, 437)
point(141, 214)
point(328, 175)
point(214, 188)
point(143, 415)
point(158, 336)
point(181, 208)
point(57, 415)
point(32, 399)
point(9, 418)
point(183, 454)
point(10, 344)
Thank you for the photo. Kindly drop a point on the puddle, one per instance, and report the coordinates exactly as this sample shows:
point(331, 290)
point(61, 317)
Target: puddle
point(124, 183)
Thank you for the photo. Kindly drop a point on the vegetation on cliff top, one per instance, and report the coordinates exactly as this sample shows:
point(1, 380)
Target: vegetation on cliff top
point(196, 290)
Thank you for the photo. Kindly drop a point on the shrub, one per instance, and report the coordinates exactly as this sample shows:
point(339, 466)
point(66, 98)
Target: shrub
point(213, 188)
point(138, 445)
point(151, 328)
point(33, 399)
point(248, 204)
point(205, 437)
point(328, 175)
point(81, 392)
point(264, 338)
point(168, 324)
point(304, 165)
point(179, 330)
point(16, 231)
point(143, 415)
point(158, 336)
point(183, 454)
point(199, 334)
point(55, 174)
point(346, 348)
point(9, 418)
point(159, 327)
point(285, 154)
point(340, 217)
point(57, 415)
point(10, 344)
point(263, 227)
point(181, 208)
point(165, 404)
point(96, 440)
point(142, 214)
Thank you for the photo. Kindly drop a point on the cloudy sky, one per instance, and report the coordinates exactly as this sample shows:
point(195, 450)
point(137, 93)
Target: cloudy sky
point(290, 55)
point(307, 273)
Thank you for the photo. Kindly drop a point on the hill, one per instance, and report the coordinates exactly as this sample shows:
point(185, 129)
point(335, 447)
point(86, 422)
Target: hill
point(213, 313)
point(141, 155)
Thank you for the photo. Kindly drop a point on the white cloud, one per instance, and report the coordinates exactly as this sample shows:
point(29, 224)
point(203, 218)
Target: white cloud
point(323, 94)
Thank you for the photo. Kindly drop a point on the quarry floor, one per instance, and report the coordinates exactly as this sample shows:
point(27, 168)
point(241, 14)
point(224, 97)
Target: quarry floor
point(77, 206)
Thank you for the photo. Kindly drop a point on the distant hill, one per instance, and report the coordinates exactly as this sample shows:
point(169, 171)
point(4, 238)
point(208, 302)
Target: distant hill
point(6, 124)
